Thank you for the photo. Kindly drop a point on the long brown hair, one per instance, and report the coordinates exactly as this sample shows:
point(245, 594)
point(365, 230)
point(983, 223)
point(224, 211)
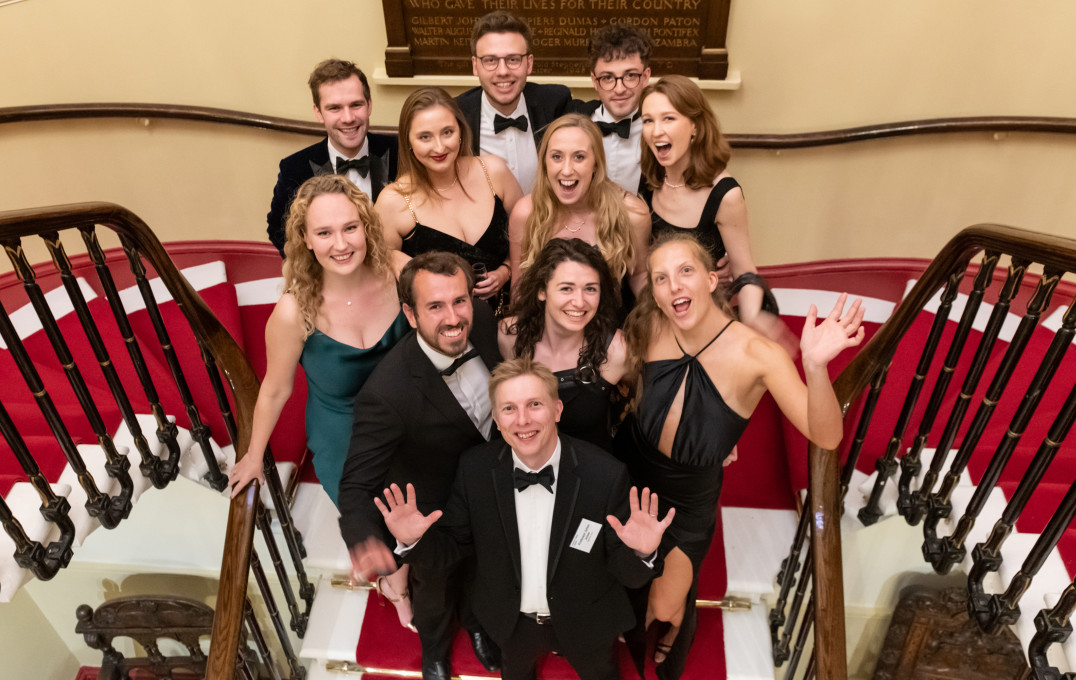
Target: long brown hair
point(302, 272)
point(418, 101)
point(613, 222)
point(529, 311)
point(708, 152)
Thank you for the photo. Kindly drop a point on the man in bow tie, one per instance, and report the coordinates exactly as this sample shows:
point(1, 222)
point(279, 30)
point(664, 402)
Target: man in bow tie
point(424, 404)
point(556, 532)
point(506, 113)
point(619, 70)
point(342, 104)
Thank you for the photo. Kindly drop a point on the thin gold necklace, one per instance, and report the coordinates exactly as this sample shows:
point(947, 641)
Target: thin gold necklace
point(581, 221)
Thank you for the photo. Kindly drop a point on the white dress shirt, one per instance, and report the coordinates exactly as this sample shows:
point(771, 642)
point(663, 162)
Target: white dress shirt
point(622, 155)
point(534, 520)
point(353, 174)
point(513, 145)
point(469, 385)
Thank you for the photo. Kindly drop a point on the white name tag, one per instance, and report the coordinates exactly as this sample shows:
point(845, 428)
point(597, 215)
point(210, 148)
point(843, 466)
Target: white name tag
point(585, 535)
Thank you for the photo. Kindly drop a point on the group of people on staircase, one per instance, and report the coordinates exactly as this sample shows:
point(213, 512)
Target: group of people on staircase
point(524, 376)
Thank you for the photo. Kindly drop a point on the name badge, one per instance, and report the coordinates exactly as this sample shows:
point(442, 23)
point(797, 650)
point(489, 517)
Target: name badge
point(585, 535)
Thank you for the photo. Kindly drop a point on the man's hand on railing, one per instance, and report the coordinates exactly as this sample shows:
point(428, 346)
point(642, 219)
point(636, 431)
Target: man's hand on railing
point(249, 467)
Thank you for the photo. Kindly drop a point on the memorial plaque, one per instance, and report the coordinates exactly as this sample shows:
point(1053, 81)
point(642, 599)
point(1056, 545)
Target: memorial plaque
point(433, 37)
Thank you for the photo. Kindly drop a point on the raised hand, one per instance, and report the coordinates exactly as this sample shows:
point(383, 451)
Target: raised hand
point(642, 532)
point(820, 343)
point(402, 517)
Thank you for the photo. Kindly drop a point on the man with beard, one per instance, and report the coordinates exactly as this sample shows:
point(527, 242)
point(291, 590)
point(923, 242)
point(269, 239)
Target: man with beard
point(424, 404)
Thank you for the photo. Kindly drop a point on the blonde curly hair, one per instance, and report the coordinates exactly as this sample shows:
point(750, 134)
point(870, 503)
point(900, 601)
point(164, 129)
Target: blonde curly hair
point(604, 196)
point(302, 273)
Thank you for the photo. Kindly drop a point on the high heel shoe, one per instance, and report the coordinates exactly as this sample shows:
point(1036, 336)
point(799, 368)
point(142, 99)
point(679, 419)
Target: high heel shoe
point(402, 603)
point(661, 652)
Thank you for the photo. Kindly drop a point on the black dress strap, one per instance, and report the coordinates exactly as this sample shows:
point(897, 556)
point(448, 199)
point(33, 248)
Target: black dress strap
point(712, 340)
point(713, 201)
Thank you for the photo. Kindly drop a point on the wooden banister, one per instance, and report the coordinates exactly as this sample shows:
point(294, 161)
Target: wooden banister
point(798, 140)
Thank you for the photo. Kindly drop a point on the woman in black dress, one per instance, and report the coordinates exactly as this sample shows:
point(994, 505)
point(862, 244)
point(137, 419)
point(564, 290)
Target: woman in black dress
point(565, 317)
point(701, 375)
point(446, 198)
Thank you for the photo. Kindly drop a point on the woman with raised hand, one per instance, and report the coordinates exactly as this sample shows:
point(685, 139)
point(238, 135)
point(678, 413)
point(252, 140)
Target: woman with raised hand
point(445, 197)
point(701, 374)
point(565, 316)
point(338, 316)
point(690, 191)
point(574, 198)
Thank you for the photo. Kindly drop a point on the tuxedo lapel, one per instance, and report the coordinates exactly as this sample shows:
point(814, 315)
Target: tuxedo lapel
point(568, 483)
point(505, 492)
point(431, 385)
point(379, 172)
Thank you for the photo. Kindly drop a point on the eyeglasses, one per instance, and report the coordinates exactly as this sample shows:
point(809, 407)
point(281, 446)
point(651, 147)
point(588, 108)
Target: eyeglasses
point(607, 81)
point(512, 61)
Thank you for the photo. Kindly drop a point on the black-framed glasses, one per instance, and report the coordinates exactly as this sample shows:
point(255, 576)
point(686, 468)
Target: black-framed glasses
point(607, 81)
point(512, 61)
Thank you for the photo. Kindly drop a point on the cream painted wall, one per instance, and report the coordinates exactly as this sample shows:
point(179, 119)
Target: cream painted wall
point(804, 66)
point(39, 652)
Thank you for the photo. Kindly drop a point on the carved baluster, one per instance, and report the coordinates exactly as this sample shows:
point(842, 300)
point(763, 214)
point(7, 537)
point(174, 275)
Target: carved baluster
point(1005, 608)
point(987, 555)
point(199, 430)
point(118, 465)
point(297, 671)
point(108, 510)
point(259, 641)
point(1053, 627)
point(801, 640)
point(950, 550)
point(913, 506)
point(939, 504)
point(159, 471)
point(298, 620)
point(43, 561)
point(910, 466)
point(780, 650)
point(786, 577)
point(808, 672)
point(872, 511)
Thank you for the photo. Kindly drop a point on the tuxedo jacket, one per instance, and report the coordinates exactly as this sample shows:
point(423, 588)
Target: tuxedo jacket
point(314, 160)
point(586, 108)
point(585, 590)
point(408, 427)
point(545, 103)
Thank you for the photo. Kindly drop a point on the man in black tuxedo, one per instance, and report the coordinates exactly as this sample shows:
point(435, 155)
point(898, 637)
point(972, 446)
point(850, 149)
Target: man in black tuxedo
point(342, 104)
point(542, 515)
point(425, 404)
point(619, 70)
point(507, 114)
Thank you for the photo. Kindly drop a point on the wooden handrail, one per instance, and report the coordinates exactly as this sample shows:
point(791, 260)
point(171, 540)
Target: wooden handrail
point(233, 363)
point(798, 140)
point(876, 355)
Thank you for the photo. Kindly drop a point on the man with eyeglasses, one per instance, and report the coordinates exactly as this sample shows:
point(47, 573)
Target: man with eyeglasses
point(506, 113)
point(619, 69)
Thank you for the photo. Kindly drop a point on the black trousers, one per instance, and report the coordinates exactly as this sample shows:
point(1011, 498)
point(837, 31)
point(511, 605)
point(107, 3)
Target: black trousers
point(530, 641)
point(438, 598)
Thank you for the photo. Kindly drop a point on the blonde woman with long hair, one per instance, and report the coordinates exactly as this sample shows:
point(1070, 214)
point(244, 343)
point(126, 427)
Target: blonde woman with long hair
point(574, 198)
point(338, 316)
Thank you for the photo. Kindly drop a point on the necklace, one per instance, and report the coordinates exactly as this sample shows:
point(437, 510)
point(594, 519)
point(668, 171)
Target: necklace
point(671, 185)
point(439, 190)
point(579, 225)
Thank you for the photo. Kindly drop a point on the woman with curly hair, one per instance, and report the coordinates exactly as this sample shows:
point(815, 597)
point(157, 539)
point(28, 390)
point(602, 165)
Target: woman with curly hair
point(574, 198)
point(565, 316)
point(338, 316)
point(444, 193)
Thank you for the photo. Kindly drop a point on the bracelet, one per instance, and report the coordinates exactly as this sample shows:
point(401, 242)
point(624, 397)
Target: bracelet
point(769, 302)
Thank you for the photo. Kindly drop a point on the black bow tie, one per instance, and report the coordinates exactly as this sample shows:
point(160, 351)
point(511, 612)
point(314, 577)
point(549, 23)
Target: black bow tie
point(622, 128)
point(459, 361)
point(523, 479)
point(362, 165)
point(502, 123)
